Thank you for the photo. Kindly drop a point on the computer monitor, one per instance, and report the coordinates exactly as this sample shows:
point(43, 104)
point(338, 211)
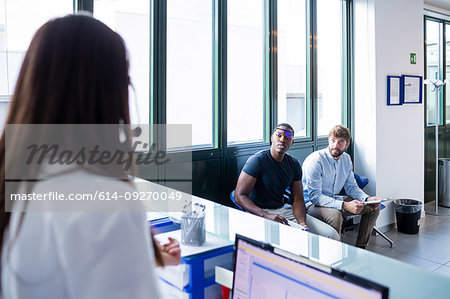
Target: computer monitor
point(264, 271)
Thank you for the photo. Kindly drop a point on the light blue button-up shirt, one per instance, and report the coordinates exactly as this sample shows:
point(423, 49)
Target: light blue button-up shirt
point(324, 177)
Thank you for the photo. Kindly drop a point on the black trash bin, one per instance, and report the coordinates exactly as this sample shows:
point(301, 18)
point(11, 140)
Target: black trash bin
point(408, 212)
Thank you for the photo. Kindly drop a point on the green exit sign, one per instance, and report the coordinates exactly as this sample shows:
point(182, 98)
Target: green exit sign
point(412, 58)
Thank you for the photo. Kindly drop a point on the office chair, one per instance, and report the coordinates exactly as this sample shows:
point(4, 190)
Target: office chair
point(234, 201)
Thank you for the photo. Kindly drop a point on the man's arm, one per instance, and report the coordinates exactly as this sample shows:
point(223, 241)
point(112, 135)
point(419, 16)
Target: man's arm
point(244, 186)
point(298, 202)
point(312, 173)
point(352, 189)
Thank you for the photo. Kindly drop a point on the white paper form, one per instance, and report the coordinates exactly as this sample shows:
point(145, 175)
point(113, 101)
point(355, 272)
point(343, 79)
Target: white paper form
point(412, 90)
point(394, 91)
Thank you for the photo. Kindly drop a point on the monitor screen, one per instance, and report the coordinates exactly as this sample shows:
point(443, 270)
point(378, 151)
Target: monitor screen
point(261, 271)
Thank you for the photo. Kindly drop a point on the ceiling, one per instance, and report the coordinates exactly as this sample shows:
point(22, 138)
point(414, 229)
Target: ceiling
point(444, 4)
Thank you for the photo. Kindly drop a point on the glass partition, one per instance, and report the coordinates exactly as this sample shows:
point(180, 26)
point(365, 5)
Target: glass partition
point(19, 20)
point(245, 72)
point(447, 68)
point(329, 64)
point(291, 54)
point(190, 67)
point(433, 67)
point(131, 19)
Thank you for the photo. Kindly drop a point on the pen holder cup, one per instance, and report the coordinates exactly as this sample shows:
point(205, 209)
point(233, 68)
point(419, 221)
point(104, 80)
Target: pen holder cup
point(192, 230)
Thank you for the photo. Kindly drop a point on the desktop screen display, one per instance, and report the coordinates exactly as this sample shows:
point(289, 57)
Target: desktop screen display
point(261, 273)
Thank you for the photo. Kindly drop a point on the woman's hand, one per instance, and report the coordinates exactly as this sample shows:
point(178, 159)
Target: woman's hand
point(171, 252)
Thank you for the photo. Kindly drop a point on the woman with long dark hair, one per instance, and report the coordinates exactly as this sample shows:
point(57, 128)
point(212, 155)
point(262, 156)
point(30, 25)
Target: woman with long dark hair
point(74, 72)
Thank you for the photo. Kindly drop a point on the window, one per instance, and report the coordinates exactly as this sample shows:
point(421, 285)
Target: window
point(291, 52)
point(233, 70)
point(131, 20)
point(329, 64)
point(19, 21)
point(190, 67)
point(245, 73)
point(433, 54)
point(221, 62)
point(224, 73)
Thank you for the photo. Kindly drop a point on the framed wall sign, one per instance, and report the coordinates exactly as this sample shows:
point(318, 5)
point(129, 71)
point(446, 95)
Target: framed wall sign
point(412, 89)
point(394, 90)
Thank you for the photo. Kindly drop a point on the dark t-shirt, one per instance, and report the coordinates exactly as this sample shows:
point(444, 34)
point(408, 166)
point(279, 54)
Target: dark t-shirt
point(272, 178)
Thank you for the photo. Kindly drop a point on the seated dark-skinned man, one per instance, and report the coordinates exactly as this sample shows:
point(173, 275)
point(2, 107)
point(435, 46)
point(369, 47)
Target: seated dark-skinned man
point(264, 178)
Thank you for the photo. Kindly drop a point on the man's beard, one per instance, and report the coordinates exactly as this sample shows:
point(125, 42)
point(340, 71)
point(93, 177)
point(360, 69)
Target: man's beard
point(336, 153)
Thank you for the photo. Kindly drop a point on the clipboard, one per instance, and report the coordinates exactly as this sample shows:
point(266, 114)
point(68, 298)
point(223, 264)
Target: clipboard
point(383, 200)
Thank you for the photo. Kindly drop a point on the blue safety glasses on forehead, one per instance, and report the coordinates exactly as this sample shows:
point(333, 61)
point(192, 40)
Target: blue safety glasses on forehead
point(288, 134)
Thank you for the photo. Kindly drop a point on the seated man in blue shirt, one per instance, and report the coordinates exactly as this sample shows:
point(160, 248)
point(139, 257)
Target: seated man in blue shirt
point(325, 173)
point(265, 177)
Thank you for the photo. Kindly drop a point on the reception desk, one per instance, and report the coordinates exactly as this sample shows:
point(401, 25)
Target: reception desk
point(403, 280)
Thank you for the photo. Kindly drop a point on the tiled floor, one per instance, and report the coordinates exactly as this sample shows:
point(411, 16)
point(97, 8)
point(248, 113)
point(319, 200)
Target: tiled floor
point(429, 249)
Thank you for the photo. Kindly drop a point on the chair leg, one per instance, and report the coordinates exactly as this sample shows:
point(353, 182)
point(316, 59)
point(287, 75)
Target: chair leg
point(383, 235)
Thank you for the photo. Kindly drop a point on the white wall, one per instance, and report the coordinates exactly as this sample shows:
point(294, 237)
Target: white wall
point(365, 91)
point(389, 140)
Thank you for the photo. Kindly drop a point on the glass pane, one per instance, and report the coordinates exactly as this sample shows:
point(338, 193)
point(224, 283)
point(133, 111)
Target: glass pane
point(130, 18)
point(245, 97)
point(447, 75)
point(18, 23)
point(190, 67)
point(329, 64)
point(433, 48)
point(292, 64)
